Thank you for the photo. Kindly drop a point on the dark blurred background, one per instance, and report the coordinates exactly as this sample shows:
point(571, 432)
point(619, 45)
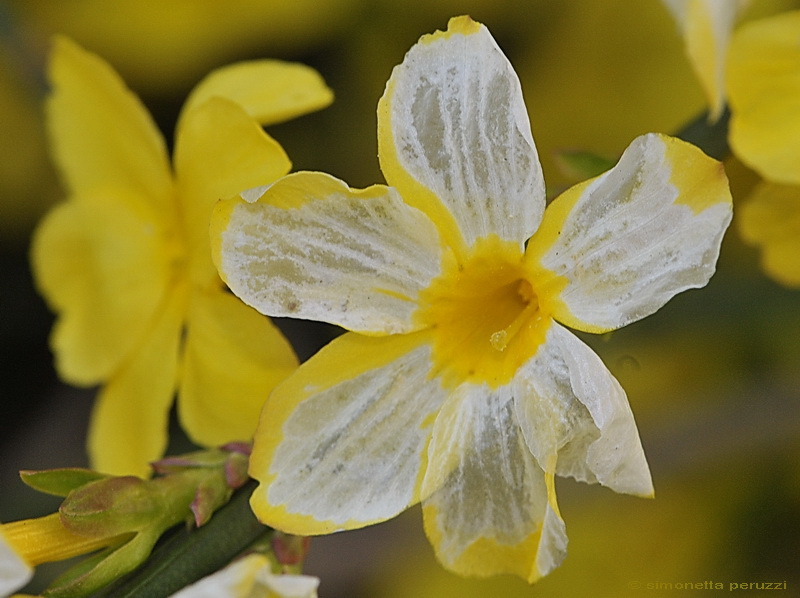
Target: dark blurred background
point(713, 378)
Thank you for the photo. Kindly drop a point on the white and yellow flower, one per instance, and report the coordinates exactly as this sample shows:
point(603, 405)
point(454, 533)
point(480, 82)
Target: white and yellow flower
point(457, 385)
point(251, 577)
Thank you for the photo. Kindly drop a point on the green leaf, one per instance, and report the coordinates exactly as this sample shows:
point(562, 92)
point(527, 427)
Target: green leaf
point(581, 165)
point(60, 482)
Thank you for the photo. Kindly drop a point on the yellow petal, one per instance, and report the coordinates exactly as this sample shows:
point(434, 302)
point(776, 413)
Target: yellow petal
point(102, 137)
point(219, 152)
point(770, 220)
point(341, 444)
point(706, 26)
point(764, 92)
point(486, 503)
point(128, 428)
point(455, 140)
point(103, 268)
point(310, 247)
point(615, 249)
point(270, 91)
point(233, 358)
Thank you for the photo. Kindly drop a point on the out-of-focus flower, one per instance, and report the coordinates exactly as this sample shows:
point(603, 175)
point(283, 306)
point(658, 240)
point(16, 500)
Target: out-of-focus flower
point(764, 94)
point(706, 26)
point(456, 386)
point(251, 577)
point(164, 46)
point(125, 261)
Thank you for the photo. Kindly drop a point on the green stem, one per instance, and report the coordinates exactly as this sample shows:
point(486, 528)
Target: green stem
point(192, 554)
point(712, 138)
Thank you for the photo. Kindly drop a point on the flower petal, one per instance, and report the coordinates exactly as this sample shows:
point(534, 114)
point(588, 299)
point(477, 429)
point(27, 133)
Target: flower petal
point(455, 140)
point(615, 249)
point(270, 91)
point(14, 571)
point(575, 416)
point(101, 135)
point(764, 91)
point(103, 267)
point(233, 358)
point(312, 248)
point(706, 26)
point(341, 444)
point(219, 152)
point(128, 428)
point(237, 580)
point(487, 505)
point(770, 219)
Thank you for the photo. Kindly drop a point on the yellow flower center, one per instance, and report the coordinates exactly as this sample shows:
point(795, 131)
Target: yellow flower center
point(486, 316)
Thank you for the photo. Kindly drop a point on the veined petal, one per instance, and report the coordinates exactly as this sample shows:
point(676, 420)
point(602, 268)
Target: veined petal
point(270, 91)
point(764, 91)
point(487, 505)
point(219, 152)
point(455, 140)
point(706, 26)
point(368, 404)
point(312, 248)
point(101, 135)
point(770, 219)
point(14, 571)
point(615, 249)
point(232, 359)
point(251, 577)
point(576, 419)
point(128, 428)
point(104, 268)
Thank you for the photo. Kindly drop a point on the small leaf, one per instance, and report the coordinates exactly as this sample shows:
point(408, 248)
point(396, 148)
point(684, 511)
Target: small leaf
point(581, 165)
point(60, 482)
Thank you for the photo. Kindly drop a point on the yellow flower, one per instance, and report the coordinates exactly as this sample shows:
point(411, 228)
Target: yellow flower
point(457, 386)
point(706, 26)
point(764, 92)
point(125, 261)
point(251, 577)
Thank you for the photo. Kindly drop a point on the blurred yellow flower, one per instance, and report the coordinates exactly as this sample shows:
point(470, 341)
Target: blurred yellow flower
point(764, 94)
point(125, 261)
point(706, 26)
point(165, 46)
point(456, 386)
point(251, 577)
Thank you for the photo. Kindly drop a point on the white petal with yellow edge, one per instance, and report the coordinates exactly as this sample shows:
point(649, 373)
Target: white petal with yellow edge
point(342, 442)
point(312, 248)
point(233, 358)
point(575, 415)
point(453, 132)
point(615, 249)
point(14, 571)
point(488, 506)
